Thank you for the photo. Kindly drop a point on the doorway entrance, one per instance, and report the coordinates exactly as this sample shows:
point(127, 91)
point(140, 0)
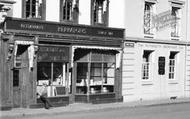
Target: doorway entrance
point(20, 76)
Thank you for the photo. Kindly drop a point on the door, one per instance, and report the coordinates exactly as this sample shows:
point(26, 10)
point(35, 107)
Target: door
point(16, 88)
point(162, 77)
point(20, 77)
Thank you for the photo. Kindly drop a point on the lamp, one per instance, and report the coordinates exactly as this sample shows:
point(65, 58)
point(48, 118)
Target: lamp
point(35, 50)
point(10, 51)
point(3, 12)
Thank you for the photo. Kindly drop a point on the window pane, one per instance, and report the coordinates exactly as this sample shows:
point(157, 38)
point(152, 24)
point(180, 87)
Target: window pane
point(109, 77)
point(58, 74)
point(82, 78)
point(96, 56)
point(96, 77)
point(59, 78)
point(44, 72)
point(34, 8)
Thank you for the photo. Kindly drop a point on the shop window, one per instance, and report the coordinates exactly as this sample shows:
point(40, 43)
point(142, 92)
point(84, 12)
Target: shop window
point(149, 9)
point(97, 75)
point(172, 64)
point(175, 25)
point(100, 12)
point(146, 65)
point(34, 9)
point(69, 11)
point(53, 74)
point(82, 78)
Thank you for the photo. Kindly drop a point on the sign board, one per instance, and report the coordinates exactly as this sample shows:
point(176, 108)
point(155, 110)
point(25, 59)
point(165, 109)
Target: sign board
point(129, 45)
point(52, 53)
point(161, 65)
point(34, 26)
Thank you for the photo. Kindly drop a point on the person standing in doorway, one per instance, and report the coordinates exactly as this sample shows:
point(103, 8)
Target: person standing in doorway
point(42, 94)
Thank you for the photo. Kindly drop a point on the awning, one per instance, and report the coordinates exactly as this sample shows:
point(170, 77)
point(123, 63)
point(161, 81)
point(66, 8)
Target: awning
point(97, 47)
point(118, 55)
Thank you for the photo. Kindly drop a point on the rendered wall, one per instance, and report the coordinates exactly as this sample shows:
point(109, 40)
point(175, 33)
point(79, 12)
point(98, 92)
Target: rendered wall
point(158, 86)
point(134, 16)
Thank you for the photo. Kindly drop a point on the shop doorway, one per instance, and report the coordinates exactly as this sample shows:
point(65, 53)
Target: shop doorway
point(20, 76)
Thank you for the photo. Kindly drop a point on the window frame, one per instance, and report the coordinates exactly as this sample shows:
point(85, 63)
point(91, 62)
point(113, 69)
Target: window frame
point(179, 5)
point(172, 65)
point(175, 28)
point(43, 14)
point(146, 65)
point(74, 11)
point(152, 7)
point(89, 83)
point(104, 13)
point(50, 77)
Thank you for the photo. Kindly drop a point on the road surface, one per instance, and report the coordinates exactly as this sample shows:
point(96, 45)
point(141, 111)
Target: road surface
point(173, 111)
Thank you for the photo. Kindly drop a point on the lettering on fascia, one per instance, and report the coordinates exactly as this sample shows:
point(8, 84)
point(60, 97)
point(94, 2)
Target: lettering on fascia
point(32, 26)
point(72, 30)
point(109, 33)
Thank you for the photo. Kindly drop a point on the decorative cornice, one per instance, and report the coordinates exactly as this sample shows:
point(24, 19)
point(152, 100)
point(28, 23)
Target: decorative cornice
point(152, 40)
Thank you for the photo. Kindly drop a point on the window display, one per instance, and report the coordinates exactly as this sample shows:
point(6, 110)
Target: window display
point(54, 75)
point(97, 74)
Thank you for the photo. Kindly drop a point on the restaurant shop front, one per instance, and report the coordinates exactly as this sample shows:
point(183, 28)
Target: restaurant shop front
point(78, 63)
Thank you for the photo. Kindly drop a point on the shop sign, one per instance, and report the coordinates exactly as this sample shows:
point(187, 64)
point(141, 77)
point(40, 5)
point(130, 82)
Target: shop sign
point(160, 21)
point(51, 53)
point(61, 29)
point(161, 65)
point(129, 45)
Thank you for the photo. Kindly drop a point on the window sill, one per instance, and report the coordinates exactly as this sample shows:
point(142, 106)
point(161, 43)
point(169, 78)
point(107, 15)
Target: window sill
point(69, 21)
point(173, 81)
point(176, 38)
point(148, 82)
point(151, 35)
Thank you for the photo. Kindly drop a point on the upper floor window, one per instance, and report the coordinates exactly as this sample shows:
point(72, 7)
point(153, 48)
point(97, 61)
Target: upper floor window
point(34, 9)
point(99, 12)
point(148, 17)
point(69, 10)
point(176, 13)
point(175, 26)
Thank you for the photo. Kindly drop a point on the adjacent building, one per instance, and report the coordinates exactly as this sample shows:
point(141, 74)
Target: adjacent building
point(155, 62)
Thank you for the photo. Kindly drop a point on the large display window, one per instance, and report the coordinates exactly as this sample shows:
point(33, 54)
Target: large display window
point(53, 70)
point(54, 75)
point(95, 73)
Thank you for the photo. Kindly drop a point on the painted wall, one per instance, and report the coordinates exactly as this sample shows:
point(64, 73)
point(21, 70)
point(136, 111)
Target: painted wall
point(116, 19)
point(52, 10)
point(117, 13)
point(134, 13)
point(17, 9)
point(158, 86)
point(84, 12)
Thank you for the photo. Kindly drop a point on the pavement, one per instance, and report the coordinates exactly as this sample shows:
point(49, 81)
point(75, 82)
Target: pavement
point(82, 107)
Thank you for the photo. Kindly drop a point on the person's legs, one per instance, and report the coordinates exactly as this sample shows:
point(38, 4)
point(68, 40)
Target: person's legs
point(48, 103)
point(44, 100)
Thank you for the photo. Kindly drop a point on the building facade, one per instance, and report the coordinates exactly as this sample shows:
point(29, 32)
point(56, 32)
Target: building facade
point(155, 58)
point(66, 44)
point(85, 51)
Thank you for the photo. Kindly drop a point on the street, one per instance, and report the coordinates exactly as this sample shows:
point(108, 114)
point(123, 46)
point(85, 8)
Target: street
point(173, 111)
